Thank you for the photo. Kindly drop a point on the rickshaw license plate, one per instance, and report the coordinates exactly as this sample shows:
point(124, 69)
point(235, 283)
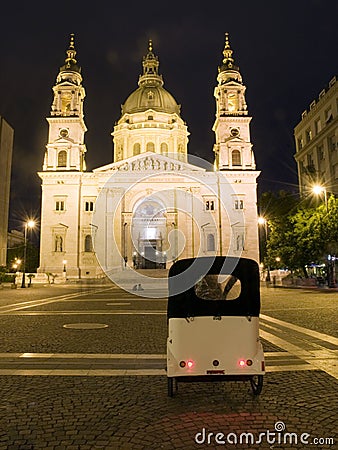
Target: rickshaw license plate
point(215, 372)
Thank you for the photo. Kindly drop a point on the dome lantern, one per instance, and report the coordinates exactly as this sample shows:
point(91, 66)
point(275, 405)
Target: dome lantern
point(150, 93)
point(150, 65)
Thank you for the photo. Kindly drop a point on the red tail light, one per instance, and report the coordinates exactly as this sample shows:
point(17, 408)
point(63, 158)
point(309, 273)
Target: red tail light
point(189, 364)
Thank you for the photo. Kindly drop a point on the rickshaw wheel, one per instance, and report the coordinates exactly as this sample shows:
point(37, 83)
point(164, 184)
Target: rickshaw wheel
point(171, 382)
point(256, 382)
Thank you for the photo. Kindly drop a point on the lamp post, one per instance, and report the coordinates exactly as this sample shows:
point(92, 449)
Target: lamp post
point(263, 222)
point(28, 224)
point(318, 189)
point(125, 257)
point(64, 262)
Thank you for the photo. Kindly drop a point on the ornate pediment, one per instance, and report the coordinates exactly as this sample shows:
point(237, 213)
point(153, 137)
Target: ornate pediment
point(149, 162)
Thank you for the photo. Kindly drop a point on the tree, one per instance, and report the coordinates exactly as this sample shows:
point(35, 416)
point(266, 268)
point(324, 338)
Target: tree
point(305, 235)
point(277, 209)
point(32, 255)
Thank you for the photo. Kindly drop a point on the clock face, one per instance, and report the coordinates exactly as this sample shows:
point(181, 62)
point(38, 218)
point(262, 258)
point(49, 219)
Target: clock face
point(234, 132)
point(64, 133)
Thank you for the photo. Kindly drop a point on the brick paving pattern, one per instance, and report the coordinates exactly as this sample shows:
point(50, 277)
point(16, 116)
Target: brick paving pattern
point(135, 412)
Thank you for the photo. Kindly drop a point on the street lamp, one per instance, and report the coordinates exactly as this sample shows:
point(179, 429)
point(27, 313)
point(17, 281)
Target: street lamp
point(317, 189)
point(263, 222)
point(64, 262)
point(29, 224)
point(16, 263)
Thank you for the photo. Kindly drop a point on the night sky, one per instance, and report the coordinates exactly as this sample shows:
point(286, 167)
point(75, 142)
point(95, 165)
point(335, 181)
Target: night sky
point(286, 51)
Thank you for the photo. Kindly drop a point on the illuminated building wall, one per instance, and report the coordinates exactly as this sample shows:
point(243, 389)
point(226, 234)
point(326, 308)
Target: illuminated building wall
point(6, 148)
point(316, 139)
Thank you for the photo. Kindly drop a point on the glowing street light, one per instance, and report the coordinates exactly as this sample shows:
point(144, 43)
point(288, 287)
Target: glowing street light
point(16, 263)
point(30, 224)
point(317, 189)
point(261, 220)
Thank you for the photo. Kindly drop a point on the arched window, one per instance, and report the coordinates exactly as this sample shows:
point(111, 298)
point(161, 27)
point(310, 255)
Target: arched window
point(62, 158)
point(88, 247)
point(136, 149)
point(180, 152)
point(164, 148)
point(236, 158)
point(210, 243)
point(232, 101)
point(150, 147)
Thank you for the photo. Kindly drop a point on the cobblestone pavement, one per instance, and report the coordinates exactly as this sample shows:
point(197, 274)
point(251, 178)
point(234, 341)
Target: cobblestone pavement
point(127, 406)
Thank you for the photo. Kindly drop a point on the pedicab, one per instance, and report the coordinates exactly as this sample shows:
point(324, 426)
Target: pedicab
point(213, 322)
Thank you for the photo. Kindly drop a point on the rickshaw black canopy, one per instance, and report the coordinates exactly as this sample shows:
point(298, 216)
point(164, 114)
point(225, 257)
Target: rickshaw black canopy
point(183, 301)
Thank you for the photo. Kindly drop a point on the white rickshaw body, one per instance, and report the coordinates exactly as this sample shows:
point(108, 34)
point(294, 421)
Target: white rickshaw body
point(213, 322)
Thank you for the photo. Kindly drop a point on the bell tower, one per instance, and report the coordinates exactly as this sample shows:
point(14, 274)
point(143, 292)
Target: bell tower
point(66, 149)
point(233, 149)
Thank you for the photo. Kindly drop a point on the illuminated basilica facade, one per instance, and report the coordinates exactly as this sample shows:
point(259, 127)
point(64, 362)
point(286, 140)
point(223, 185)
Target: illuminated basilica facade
point(153, 203)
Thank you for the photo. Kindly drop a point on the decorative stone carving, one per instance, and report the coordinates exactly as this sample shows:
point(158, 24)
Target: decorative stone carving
point(151, 163)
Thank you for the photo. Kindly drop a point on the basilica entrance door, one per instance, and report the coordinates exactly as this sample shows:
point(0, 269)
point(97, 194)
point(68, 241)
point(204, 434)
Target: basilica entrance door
point(150, 257)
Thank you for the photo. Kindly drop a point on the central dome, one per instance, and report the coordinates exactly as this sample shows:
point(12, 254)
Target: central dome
point(150, 97)
point(150, 93)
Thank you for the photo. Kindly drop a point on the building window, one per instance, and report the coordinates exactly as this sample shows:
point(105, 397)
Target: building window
point(239, 204)
point(136, 149)
point(89, 206)
point(328, 115)
point(210, 205)
point(300, 143)
point(59, 205)
point(318, 126)
point(62, 158)
point(150, 147)
point(309, 159)
point(58, 244)
point(308, 134)
point(332, 143)
point(150, 117)
point(180, 152)
point(320, 152)
point(232, 102)
point(164, 148)
point(236, 158)
point(210, 243)
point(88, 243)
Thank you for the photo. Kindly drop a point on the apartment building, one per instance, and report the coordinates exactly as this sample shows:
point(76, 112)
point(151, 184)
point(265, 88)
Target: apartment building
point(316, 138)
